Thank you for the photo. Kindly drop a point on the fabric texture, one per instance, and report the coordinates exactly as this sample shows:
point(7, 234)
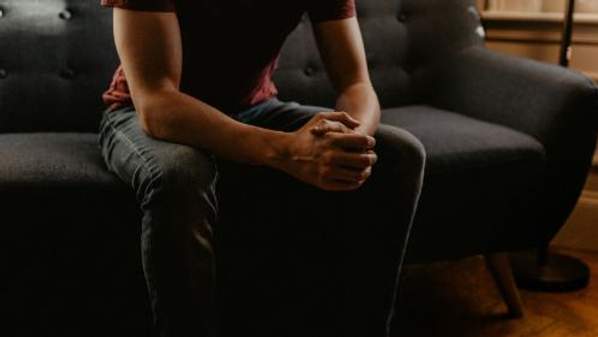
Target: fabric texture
point(213, 71)
point(455, 142)
point(344, 284)
point(175, 190)
point(58, 91)
point(53, 160)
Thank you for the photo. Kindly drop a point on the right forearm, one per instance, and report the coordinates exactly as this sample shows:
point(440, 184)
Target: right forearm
point(182, 119)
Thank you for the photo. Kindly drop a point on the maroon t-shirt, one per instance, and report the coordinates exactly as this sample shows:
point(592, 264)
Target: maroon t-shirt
point(230, 47)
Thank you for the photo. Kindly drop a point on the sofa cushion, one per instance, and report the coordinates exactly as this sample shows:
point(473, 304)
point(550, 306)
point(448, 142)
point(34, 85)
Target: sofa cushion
point(45, 160)
point(478, 176)
point(457, 143)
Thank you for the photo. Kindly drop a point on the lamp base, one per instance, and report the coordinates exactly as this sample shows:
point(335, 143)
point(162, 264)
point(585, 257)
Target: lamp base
point(559, 273)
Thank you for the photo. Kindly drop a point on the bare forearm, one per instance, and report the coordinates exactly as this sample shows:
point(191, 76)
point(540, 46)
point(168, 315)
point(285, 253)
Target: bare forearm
point(179, 118)
point(361, 102)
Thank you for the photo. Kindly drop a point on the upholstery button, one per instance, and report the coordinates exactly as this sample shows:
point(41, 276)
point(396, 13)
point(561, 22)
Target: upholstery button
point(65, 14)
point(402, 17)
point(3, 73)
point(309, 71)
point(67, 74)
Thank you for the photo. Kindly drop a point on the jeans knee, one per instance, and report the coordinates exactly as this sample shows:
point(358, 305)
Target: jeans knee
point(403, 147)
point(182, 174)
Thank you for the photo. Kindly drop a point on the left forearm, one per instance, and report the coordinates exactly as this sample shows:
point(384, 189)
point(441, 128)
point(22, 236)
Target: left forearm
point(361, 102)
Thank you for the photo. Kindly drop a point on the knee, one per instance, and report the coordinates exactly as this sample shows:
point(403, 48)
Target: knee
point(181, 172)
point(400, 146)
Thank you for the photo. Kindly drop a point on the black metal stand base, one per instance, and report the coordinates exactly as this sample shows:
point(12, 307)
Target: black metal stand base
point(557, 273)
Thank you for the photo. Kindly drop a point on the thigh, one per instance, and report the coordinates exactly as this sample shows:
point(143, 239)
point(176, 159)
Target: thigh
point(142, 161)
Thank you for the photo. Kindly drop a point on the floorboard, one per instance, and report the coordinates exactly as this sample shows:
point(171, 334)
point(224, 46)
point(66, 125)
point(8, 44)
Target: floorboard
point(459, 299)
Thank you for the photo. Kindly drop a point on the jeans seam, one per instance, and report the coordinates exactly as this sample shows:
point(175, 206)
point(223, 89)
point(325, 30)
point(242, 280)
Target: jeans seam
point(156, 177)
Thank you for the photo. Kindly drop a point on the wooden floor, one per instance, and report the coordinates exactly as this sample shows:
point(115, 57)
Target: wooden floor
point(459, 299)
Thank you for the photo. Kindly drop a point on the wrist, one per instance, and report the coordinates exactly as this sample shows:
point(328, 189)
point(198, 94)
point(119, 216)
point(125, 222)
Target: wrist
point(274, 149)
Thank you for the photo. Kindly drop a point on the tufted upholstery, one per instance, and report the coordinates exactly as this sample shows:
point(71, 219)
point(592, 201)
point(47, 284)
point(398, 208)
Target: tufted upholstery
point(504, 138)
point(63, 46)
point(396, 34)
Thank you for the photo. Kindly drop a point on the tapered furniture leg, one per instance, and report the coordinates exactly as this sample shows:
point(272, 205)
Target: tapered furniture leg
point(500, 268)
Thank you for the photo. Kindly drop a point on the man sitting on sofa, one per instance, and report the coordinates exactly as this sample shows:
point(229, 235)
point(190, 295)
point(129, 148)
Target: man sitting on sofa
point(198, 86)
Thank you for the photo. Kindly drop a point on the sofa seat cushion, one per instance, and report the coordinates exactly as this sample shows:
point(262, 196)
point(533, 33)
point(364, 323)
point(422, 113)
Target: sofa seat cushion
point(456, 142)
point(57, 194)
point(478, 174)
point(61, 160)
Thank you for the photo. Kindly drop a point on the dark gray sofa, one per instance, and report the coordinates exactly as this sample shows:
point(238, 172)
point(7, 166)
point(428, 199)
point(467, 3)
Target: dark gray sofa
point(509, 143)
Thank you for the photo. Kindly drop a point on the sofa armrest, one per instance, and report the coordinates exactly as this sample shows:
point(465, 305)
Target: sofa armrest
point(557, 106)
point(542, 100)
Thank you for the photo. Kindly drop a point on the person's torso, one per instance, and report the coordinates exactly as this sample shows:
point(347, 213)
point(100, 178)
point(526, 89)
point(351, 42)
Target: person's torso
point(230, 48)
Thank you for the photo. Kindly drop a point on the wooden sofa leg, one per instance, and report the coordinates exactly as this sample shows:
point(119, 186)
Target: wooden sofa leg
point(500, 268)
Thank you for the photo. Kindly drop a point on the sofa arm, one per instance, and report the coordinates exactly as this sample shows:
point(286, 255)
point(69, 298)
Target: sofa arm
point(542, 100)
point(557, 106)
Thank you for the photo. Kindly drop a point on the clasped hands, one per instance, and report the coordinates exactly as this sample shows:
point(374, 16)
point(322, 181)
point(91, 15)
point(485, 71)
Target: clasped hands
point(330, 153)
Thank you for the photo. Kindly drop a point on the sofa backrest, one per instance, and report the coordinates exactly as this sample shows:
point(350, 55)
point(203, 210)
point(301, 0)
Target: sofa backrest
point(401, 38)
point(57, 57)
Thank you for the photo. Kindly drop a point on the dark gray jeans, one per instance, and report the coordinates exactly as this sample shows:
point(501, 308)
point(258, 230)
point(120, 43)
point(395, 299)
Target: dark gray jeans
point(292, 260)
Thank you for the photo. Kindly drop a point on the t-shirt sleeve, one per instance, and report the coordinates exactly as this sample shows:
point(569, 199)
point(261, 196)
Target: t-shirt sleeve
point(326, 10)
point(141, 5)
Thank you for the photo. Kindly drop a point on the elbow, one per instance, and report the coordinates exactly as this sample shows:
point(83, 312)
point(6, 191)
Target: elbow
point(150, 121)
point(154, 114)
